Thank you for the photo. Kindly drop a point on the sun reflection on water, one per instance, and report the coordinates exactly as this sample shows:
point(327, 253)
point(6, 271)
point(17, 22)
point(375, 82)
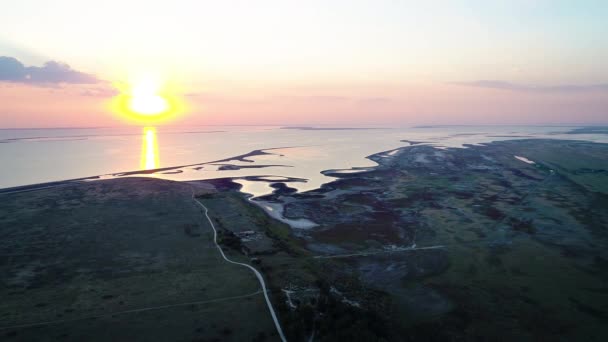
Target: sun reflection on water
point(149, 151)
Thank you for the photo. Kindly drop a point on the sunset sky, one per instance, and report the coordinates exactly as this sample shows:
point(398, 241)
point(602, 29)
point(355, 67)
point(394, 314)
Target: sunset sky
point(308, 62)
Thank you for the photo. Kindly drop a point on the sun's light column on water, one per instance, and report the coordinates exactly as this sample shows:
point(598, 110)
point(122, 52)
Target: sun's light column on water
point(149, 152)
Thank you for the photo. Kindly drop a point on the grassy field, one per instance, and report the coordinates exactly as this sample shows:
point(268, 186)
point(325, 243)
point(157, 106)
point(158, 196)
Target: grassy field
point(312, 297)
point(87, 258)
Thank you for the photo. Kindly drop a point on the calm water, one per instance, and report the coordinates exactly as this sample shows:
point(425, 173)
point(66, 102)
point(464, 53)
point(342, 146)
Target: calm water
point(29, 156)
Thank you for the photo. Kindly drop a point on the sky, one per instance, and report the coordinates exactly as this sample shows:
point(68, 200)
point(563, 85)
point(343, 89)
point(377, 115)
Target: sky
point(378, 62)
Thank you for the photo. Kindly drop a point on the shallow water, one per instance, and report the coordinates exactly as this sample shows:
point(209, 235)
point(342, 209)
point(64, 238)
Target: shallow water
point(29, 156)
point(524, 159)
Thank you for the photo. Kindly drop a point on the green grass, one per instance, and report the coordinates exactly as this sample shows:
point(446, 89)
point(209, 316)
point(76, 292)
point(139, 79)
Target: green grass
point(112, 246)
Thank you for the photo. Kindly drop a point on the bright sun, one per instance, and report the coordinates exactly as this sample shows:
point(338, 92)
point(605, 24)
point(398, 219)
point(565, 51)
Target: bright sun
point(145, 99)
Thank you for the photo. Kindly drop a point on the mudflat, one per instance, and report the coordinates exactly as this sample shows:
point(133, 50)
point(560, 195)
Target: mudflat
point(500, 241)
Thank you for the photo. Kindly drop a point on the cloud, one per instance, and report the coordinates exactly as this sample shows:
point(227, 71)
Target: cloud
point(311, 98)
point(374, 101)
point(52, 72)
point(563, 88)
point(99, 92)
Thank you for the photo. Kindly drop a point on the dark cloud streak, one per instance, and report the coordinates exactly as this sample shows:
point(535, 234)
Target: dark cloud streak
point(563, 88)
point(52, 72)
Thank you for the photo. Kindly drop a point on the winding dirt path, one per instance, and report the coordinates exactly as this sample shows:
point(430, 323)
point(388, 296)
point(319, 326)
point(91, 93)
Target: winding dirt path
point(257, 274)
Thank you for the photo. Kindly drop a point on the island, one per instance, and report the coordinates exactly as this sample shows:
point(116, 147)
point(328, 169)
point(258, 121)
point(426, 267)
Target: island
point(498, 241)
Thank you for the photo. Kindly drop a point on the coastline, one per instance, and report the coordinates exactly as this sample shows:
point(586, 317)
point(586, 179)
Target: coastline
point(406, 230)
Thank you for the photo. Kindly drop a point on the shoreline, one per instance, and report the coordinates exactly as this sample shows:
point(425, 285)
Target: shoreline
point(375, 157)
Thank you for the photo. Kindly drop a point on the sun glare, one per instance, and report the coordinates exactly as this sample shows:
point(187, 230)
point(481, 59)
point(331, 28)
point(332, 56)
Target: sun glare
point(146, 100)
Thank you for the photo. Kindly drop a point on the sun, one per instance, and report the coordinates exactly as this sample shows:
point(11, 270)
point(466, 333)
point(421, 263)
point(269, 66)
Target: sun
point(146, 100)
